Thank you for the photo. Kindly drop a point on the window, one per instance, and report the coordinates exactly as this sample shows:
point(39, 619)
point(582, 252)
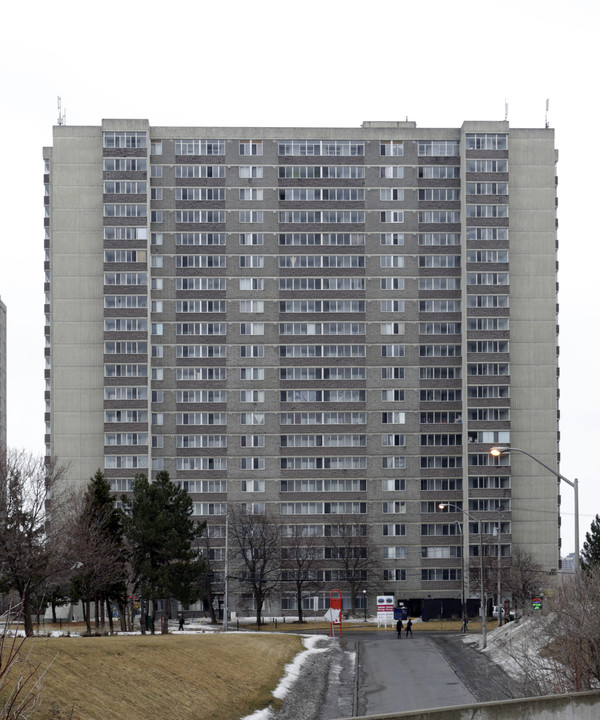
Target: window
point(253, 396)
point(200, 216)
point(252, 418)
point(200, 193)
point(438, 148)
point(124, 139)
point(252, 284)
point(253, 486)
point(439, 172)
point(486, 141)
point(394, 552)
point(251, 147)
point(391, 147)
point(439, 216)
point(439, 194)
point(250, 171)
point(391, 194)
point(252, 306)
point(252, 261)
point(487, 211)
point(251, 194)
point(391, 261)
point(156, 147)
point(394, 306)
point(200, 147)
point(391, 238)
point(252, 463)
point(391, 171)
point(252, 440)
point(289, 148)
point(396, 418)
point(248, 351)
point(439, 239)
point(252, 328)
point(252, 373)
point(393, 530)
point(392, 396)
point(200, 171)
point(487, 188)
point(391, 216)
point(487, 166)
point(252, 239)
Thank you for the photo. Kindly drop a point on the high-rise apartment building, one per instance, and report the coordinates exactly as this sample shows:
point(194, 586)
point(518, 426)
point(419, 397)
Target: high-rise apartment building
point(3, 363)
point(329, 325)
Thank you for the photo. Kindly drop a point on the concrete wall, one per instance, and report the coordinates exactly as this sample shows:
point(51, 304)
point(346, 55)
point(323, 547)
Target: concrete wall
point(76, 292)
point(572, 706)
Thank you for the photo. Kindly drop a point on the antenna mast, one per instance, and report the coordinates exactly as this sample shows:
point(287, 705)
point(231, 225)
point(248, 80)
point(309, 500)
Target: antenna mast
point(505, 109)
point(62, 116)
point(547, 108)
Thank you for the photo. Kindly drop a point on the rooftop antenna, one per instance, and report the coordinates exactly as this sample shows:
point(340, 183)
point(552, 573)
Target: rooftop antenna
point(505, 109)
point(547, 108)
point(62, 116)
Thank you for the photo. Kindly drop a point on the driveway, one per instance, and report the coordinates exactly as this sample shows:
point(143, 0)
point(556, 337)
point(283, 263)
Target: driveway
point(407, 674)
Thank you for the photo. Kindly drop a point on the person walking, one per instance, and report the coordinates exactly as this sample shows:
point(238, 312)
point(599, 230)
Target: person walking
point(181, 621)
point(409, 627)
point(399, 627)
point(465, 626)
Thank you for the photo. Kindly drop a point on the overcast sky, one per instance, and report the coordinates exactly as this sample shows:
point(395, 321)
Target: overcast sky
point(327, 63)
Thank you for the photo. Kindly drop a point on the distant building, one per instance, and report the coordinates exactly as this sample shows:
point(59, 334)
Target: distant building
point(335, 325)
point(568, 563)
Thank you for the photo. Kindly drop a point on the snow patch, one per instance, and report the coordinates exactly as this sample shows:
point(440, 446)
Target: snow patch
point(291, 672)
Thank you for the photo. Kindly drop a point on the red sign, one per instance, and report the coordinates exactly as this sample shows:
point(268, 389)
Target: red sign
point(335, 611)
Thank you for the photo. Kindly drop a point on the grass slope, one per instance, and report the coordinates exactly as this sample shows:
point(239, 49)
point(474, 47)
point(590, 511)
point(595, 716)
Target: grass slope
point(190, 677)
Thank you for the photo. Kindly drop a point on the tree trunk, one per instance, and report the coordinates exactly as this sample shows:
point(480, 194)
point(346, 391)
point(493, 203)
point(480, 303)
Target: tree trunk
point(102, 614)
point(299, 601)
point(96, 616)
point(86, 615)
point(111, 628)
point(54, 620)
point(27, 622)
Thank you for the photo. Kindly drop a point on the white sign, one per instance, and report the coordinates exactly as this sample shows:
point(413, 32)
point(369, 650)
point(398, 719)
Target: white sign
point(385, 610)
point(333, 616)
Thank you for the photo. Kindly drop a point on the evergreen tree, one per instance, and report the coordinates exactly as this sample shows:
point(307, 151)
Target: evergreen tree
point(590, 555)
point(160, 533)
point(98, 552)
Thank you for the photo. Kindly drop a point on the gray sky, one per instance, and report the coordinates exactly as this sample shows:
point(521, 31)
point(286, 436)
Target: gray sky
point(327, 63)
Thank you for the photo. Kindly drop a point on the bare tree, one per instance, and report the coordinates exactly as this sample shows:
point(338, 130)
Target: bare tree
point(28, 541)
point(299, 553)
point(257, 537)
point(96, 557)
point(524, 578)
point(20, 677)
point(353, 552)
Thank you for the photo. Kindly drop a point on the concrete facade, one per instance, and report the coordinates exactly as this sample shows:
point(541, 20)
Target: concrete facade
point(332, 325)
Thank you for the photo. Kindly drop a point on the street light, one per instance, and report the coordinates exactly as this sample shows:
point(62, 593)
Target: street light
point(500, 450)
point(481, 582)
point(365, 603)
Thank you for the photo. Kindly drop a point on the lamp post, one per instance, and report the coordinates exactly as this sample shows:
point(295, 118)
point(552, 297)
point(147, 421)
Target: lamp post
point(500, 450)
point(481, 580)
point(365, 603)
point(463, 609)
point(499, 551)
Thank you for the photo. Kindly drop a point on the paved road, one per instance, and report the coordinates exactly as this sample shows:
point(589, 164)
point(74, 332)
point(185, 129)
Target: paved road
point(407, 674)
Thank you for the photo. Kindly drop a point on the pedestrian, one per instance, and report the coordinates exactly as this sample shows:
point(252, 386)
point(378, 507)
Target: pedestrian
point(399, 627)
point(409, 627)
point(465, 627)
point(181, 620)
